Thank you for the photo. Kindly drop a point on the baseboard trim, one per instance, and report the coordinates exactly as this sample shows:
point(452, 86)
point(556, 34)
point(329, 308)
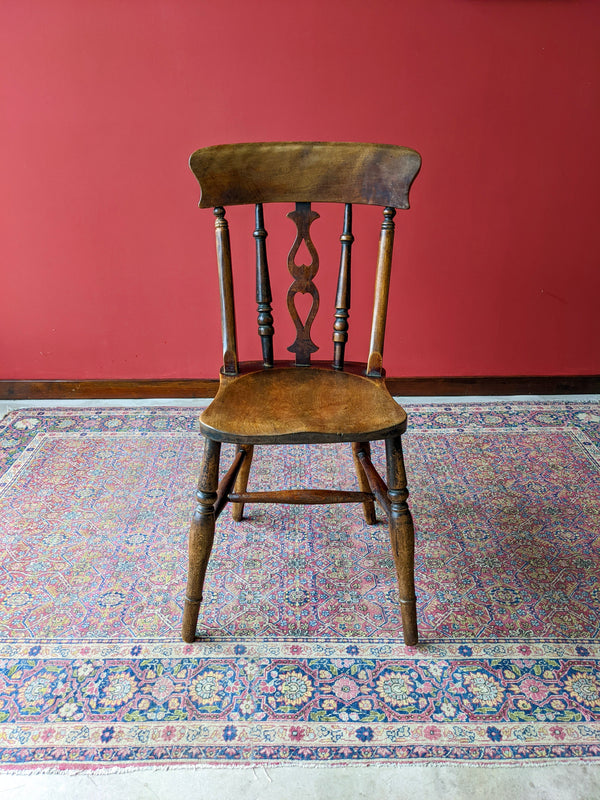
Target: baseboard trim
point(401, 387)
point(494, 385)
point(102, 390)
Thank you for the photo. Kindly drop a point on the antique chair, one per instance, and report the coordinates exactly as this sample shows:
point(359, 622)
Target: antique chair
point(277, 402)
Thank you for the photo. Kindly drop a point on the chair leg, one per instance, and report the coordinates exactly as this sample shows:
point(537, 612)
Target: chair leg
point(241, 483)
point(402, 538)
point(368, 505)
point(201, 537)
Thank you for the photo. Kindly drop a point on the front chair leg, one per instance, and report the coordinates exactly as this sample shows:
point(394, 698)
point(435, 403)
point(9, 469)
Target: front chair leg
point(241, 483)
point(402, 538)
point(363, 483)
point(202, 532)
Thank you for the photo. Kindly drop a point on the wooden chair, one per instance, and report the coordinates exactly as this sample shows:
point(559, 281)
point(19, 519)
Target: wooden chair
point(273, 402)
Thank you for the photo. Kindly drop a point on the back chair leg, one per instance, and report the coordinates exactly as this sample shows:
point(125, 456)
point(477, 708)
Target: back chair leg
point(368, 505)
point(241, 483)
point(201, 537)
point(402, 538)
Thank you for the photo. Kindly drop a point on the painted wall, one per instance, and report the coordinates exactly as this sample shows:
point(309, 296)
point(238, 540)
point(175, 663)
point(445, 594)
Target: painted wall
point(107, 264)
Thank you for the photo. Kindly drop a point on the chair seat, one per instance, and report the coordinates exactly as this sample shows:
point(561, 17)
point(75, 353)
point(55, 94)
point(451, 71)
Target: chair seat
point(299, 405)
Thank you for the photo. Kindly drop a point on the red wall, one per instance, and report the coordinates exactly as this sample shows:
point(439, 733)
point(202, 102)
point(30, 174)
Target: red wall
point(108, 268)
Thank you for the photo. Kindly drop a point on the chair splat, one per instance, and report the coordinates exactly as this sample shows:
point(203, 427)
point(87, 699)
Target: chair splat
point(303, 275)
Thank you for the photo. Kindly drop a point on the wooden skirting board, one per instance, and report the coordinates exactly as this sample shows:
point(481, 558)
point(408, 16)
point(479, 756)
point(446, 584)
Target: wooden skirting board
point(400, 387)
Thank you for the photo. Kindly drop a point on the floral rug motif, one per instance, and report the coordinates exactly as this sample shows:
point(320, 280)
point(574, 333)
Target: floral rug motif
point(300, 654)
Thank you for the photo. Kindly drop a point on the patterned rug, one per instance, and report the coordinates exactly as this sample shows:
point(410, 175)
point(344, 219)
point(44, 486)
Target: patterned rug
point(301, 655)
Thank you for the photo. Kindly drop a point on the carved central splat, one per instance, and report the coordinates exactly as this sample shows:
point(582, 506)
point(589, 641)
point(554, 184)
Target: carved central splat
point(303, 276)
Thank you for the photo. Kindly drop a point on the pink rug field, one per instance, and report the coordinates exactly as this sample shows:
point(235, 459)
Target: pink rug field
point(300, 654)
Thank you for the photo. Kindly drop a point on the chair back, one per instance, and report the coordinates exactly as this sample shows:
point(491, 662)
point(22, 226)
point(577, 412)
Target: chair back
point(304, 173)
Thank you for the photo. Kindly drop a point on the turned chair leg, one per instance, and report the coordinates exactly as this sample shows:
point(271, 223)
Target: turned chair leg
point(241, 483)
point(201, 537)
point(402, 538)
point(363, 483)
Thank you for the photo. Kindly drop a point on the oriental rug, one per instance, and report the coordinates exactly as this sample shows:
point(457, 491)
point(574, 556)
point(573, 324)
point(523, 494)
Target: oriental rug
point(300, 655)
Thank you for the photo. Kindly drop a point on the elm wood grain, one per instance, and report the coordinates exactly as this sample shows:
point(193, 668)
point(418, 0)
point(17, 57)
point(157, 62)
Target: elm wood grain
point(306, 403)
point(326, 172)
point(296, 404)
point(454, 386)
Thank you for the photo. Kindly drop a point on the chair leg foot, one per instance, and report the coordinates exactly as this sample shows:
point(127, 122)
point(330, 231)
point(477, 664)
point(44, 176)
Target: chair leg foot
point(190, 621)
point(363, 483)
point(241, 483)
point(402, 538)
point(410, 632)
point(201, 537)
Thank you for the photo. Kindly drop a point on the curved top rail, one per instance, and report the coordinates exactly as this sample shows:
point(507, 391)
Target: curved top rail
point(277, 172)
